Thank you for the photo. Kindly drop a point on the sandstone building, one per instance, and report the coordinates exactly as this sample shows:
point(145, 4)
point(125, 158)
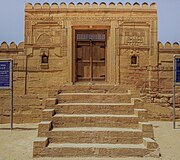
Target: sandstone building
point(88, 47)
point(125, 36)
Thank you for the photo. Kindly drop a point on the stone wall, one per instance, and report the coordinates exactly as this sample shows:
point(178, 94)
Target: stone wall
point(52, 27)
point(166, 53)
point(164, 95)
point(45, 60)
point(32, 81)
point(27, 107)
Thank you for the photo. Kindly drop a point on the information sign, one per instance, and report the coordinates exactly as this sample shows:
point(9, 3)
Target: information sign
point(6, 81)
point(177, 69)
point(5, 74)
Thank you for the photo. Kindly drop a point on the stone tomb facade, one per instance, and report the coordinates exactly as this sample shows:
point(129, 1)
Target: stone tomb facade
point(112, 44)
point(91, 44)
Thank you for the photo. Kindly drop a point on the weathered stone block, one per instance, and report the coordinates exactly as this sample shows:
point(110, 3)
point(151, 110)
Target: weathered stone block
point(142, 114)
point(51, 102)
point(148, 134)
point(47, 114)
point(145, 126)
point(43, 128)
point(40, 142)
point(147, 129)
point(150, 143)
point(163, 100)
point(39, 146)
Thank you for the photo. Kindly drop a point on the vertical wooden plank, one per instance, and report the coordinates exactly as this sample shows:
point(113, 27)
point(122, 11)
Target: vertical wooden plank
point(99, 61)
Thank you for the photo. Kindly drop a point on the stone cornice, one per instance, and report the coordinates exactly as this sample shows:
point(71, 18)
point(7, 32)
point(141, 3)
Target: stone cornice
point(168, 47)
point(79, 7)
point(13, 48)
point(120, 18)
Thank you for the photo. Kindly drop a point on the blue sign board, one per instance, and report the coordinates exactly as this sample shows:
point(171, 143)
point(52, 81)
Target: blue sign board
point(177, 60)
point(5, 74)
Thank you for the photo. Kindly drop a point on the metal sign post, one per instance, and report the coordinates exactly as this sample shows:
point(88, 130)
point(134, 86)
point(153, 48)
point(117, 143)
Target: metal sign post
point(176, 82)
point(6, 82)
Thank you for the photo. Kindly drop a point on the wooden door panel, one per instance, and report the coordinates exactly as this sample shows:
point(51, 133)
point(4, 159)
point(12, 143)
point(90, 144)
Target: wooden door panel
point(98, 71)
point(98, 51)
point(98, 60)
point(83, 51)
point(83, 61)
point(83, 71)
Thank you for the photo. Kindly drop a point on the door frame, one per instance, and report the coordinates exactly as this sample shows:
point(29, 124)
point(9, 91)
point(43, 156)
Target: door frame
point(88, 29)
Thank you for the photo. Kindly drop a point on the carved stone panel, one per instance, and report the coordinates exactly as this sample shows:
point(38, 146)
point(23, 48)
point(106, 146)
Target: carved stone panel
point(136, 37)
point(51, 35)
point(91, 22)
point(43, 39)
point(42, 36)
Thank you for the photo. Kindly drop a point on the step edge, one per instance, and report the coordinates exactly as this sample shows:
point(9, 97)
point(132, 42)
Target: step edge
point(94, 94)
point(96, 145)
point(91, 103)
point(95, 129)
point(95, 115)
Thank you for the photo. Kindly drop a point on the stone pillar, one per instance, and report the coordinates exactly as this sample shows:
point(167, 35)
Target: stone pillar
point(153, 54)
point(69, 53)
point(112, 66)
point(117, 52)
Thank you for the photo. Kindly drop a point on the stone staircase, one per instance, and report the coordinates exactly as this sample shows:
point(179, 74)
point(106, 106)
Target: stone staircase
point(95, 121)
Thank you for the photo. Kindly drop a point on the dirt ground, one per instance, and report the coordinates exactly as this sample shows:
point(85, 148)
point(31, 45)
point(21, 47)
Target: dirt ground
point(17, 144)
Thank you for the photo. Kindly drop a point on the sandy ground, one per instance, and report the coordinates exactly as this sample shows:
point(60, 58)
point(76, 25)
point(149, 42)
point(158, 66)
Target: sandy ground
point(17, 144)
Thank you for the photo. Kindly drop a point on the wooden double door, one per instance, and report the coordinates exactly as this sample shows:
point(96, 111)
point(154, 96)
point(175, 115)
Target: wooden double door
point(91, 58)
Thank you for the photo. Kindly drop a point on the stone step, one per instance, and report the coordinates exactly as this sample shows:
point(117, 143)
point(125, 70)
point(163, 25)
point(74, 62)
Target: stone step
point(95, 135)
point(94, 97)
point(94, 120)
point(106, 88)
point(42, 147)
point(95, 108)
point(95, 150)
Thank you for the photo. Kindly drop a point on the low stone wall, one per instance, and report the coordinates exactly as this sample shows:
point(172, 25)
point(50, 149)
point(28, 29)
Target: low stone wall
point(27, 108)
point(160, 106)
point(157, 112)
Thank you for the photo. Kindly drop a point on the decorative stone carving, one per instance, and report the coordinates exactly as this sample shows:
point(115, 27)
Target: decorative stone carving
point(84, 18)
point(42, 35)
point(44, 39)
point(136, 37)
point(44, 51)
point(83, 21)
point(134, 58)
